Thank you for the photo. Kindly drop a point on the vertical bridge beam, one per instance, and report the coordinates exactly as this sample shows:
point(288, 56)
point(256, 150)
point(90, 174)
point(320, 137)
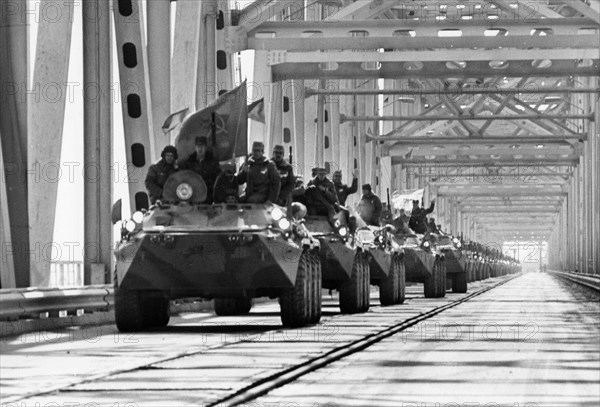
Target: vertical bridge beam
point(97, 135)
point(47, 113)
point(135, 93)
point(14, 74)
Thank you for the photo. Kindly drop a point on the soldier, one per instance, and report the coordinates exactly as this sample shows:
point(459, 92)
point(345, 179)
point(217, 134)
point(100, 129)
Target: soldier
point(417, 217)
point(432, 227)
point(204, 163)
point(226, 185)
point(159, 172)
point(286, 173)
point(320, 195)
point(261, 177)
point(369, 206)
point(299, 190)
point(343, 190)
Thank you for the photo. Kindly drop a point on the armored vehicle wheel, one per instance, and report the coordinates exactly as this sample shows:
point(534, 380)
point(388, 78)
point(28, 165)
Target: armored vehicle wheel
point(232, 306)
point(129, 315)
point(316, 279)
point(389, 288)
point(354, 294)
point(295, 303)
point(156, 309)
point(401, 279)
point(459, 283)
point(435, 284)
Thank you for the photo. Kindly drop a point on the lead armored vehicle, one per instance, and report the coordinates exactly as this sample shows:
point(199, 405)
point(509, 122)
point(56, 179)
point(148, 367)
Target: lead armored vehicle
point(227, 252)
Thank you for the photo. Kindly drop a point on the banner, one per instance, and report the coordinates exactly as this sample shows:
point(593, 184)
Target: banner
point(223, 122)
point(404, 201)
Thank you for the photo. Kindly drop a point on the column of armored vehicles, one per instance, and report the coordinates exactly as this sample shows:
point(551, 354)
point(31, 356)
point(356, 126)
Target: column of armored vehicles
point(232, 253)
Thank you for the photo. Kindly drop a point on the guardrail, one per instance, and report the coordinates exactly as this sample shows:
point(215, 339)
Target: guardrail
point(589, 280)
point(34, 303)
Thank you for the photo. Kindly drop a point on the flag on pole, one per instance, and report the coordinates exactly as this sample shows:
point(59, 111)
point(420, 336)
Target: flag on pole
point(256, 110)
point(227, 117)
point(174, 120)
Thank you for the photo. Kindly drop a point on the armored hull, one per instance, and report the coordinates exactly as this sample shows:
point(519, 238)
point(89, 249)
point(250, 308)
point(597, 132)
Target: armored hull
point(208, 264)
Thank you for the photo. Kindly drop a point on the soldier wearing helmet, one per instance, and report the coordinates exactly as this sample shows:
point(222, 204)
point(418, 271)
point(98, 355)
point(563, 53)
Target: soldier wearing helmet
point(159, 172)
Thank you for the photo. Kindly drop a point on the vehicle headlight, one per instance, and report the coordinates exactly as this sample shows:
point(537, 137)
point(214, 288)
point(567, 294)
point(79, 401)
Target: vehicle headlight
point(425, 244)
point(138, 217)
point(277, 214)
point(184, 191)
point(284, 223)
point(343, 231)
point(130, 226)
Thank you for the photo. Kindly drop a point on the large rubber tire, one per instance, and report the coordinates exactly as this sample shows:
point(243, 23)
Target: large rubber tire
point(459, 283)
point(295, 302)
point(317, 285)
point(232, 306)
point(435, 284)
point(156, 309)
point(401, 279)
point(354, 293)
point(389, 286)
point(129, 315)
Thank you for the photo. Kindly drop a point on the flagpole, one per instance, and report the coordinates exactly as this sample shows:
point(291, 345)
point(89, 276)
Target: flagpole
point(213, 128)
point(238, 123)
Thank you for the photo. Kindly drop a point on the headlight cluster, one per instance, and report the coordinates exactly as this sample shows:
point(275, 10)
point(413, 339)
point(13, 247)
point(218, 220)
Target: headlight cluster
point(426, 244)
point(132, 224)
point(279, 219)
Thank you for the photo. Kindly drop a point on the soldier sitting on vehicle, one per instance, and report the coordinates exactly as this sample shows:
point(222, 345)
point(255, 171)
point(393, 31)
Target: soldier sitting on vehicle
point(226, 185)
point(400, 223)
point(343, 190)
point(418, 215)
point(299, 190)
point(320, 195)
point(260, 176)
point(432, 227)
point(370, 206)
point(159, 172)
point(205, 164)
point(286, 173)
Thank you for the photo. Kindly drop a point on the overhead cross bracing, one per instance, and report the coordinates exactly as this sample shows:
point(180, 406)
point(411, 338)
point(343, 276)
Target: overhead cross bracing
point(452, 104)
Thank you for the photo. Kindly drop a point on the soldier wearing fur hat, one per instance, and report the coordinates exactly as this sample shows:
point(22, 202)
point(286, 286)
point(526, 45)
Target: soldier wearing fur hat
point(205, 164)
point(344, 190)
point(370, 206)
point(159, 172)
point(286, 173)
point(261, 177)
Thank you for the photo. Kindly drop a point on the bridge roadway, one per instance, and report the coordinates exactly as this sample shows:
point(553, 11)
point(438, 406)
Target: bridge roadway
point(529, 341)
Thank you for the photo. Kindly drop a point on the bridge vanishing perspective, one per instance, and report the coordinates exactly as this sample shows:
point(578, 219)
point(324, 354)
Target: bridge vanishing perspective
point(490, 108)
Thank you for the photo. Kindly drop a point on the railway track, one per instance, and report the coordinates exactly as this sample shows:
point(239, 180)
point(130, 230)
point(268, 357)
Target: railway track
point(253, 356)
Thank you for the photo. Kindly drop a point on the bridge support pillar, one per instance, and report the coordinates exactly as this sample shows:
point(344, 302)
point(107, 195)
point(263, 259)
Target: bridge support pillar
point(14, 72)
point(97, 134)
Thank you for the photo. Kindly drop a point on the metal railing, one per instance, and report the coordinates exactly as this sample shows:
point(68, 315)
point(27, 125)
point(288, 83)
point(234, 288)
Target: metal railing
point(589, 280)
point(66, 274)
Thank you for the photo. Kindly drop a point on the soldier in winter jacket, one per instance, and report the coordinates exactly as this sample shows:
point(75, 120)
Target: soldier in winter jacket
point(159, 172)
point(260, 176)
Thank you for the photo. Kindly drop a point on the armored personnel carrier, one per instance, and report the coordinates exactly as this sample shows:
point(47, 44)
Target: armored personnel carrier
point(344, 261)
point(425, 263)
point(456, 266)
point(227, 252)
point(386, 262)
